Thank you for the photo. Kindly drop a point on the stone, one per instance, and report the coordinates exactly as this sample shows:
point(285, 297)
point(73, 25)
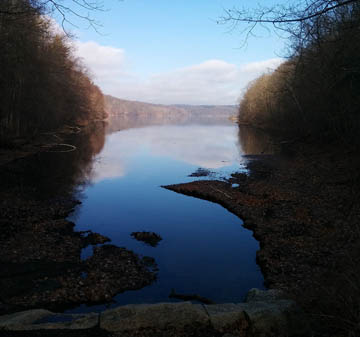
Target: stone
point(92, 238)
point(67, 321)
point(200, 172)
point(268, 318)
point(43, 319)
point(11, 321)
point(228, 317)
point(149, 238)
point(264, 313)
point(157, 316)
point(255, 294)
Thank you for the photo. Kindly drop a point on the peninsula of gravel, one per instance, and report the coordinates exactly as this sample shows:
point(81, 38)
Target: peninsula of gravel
point(304, 209)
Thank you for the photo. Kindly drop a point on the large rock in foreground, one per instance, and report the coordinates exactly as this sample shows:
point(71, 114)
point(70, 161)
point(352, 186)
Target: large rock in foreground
point(40, 319)
point(161, 316)
point(263, 314)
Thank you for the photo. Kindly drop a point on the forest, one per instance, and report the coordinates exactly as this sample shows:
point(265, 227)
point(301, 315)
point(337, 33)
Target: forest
point(314, 94)
point(43, 86)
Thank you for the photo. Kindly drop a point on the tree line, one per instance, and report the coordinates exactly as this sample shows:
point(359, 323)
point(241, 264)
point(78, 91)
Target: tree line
point(43, 86)
point(314, 94)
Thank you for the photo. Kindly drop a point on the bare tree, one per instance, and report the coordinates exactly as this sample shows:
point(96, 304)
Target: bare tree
point(68, 10)
point(316, 90)
point(292, 17)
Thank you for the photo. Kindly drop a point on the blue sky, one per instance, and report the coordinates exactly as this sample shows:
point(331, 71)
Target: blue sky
point(163, 51)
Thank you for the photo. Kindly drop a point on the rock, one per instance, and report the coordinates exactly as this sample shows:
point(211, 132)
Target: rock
point(228, 317)
point(272, 315)
point(67, 321)
point(149, 238)
point(264, 314)
point(22, 318)
point(255, 294)
point(150, 262)
point(156, 316)
point(111, 270)
point(92, 238)
point(43, 319)
point(269, 318)
point(200, 172)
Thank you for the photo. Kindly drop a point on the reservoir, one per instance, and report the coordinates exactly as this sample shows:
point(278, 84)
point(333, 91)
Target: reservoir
point(204, 248)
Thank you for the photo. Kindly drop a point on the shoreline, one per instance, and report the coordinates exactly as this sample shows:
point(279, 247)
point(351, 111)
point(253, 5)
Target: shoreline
point(305, 212)
point(41, 260)
point(302, 210)
point(41, 265)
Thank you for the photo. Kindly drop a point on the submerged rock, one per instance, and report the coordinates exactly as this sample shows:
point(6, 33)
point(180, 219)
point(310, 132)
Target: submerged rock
point(149, 238)
point(200, 172)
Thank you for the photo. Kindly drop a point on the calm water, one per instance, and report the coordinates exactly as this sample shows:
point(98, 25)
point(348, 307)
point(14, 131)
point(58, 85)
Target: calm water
point(205, 250)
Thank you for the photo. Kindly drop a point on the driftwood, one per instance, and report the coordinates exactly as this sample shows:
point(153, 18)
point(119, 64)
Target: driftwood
point(69, 147)
point(190, 297)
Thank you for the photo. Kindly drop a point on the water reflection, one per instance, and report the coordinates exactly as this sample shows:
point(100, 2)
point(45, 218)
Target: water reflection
point(204, 249)
point(39, 252)
point(211, 147)
point(217, 144)
point(138, 115)
point(55, 173)
point(254, 141)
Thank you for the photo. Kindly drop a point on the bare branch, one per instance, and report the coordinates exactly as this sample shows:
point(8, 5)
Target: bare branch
point(301, 20)
point(285, 15)
point(68, 10)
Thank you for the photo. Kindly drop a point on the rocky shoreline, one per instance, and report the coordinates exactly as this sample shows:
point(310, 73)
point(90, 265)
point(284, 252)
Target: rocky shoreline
point(303, 209)
point(305, 212)
point(40, 252)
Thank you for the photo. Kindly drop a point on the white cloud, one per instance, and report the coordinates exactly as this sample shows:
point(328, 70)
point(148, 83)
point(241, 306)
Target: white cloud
point(210, 82)
point(262, 66)
point(106, 64)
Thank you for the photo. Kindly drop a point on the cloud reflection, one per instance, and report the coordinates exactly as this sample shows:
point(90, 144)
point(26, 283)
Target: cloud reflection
point(210, 147)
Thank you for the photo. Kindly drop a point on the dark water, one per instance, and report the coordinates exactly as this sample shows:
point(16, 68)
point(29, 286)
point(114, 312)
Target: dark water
point(205, 250)
point(52, 173)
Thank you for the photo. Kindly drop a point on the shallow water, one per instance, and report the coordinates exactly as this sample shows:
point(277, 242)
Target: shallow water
point(205, 250)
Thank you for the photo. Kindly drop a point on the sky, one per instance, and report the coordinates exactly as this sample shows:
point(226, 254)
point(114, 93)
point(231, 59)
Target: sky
point(173, 52)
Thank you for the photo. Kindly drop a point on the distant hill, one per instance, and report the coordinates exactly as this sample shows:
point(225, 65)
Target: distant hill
point(116, 106)
point(127, 114)
point(209, 110)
